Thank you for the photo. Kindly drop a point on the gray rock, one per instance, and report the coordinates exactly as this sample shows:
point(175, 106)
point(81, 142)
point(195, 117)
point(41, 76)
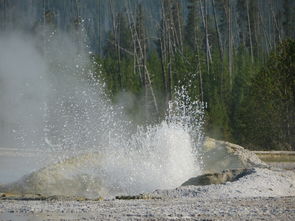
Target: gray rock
point(217, 156)
point(218, 178)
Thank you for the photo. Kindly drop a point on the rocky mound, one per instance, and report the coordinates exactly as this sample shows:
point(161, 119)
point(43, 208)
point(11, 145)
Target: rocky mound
point(217, 156)
point(218, 178)
point(68, 178)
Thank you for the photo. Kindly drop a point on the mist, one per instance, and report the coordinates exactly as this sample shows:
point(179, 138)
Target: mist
point(52, 102)
point(47, 91)
point(23, 91)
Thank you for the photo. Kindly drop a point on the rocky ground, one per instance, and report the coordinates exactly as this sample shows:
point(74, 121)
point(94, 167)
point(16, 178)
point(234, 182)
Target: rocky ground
point(260, 192)
point(265, 194)
point(255, 208)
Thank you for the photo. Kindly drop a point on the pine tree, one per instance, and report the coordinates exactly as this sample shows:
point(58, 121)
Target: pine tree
point(268, 119)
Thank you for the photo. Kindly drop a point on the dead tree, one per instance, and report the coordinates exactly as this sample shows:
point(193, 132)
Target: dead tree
point(278, 30)
point(167, 52)
point(230, 44)
point(250, 31)
point(115, 30)
point(228, 13)
point(220, 46)
point(205, 25)
point(171, 42)
point(139, 39)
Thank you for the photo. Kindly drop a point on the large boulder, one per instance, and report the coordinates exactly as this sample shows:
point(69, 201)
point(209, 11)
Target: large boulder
point(217, 156)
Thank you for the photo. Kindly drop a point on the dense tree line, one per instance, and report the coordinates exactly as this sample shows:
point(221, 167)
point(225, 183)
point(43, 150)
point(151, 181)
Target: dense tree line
point(233, 55)
point(237, 56)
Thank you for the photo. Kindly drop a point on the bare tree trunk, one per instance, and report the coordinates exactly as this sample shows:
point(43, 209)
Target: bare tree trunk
point(276, 22)
point(250, 32)
point(170, 52)
point(268, 44)
point(270, 27)
point(151, 88)
point(99, 28)
point(217, 31)
point(169, 60)
point(167, 47)
point(200, 73)
point(132, 30)
point(162, 57)
point(206, 36)
point(140, 60)
point(117, 42)
point(206, 8)
point(230, 47)
point(179, 26)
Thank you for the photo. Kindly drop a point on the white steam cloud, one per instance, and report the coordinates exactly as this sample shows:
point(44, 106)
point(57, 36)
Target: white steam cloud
point(50, 100)
point(23, 90)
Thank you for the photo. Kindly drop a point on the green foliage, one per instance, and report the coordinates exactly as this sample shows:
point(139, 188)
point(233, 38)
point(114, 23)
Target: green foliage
point(267, 119)
point(253, 104)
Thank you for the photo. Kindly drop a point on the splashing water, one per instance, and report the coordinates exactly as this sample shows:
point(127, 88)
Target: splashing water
point(163, 155)
point(157, 156)
point(98, 151)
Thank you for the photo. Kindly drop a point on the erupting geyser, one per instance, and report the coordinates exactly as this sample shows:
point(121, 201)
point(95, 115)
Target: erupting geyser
point(59, 105)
